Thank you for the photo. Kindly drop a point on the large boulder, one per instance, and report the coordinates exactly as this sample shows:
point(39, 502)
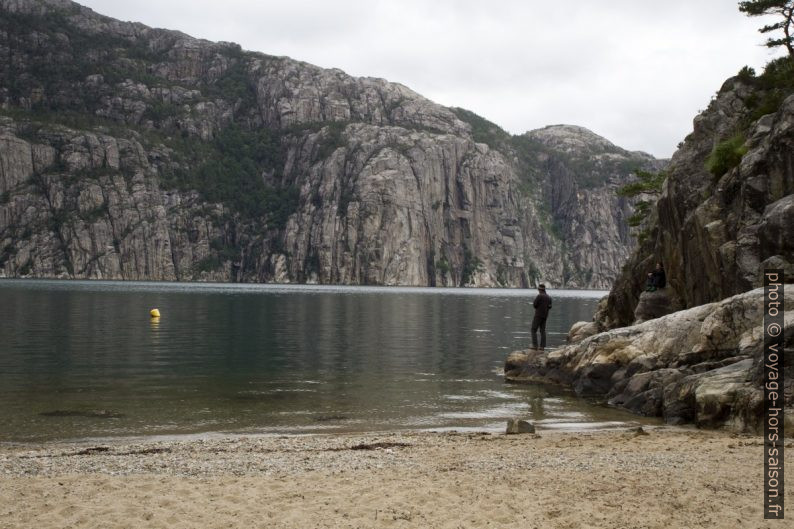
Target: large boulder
point(703, 365)
point(517, 426)
point(654, 305)
point(516, 364)
point(581, 330)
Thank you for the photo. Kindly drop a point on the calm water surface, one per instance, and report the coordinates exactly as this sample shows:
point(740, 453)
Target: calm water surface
point(83, 359)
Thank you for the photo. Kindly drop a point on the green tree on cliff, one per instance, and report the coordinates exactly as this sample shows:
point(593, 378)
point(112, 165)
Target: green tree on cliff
point(648, 184)
point(784, 9)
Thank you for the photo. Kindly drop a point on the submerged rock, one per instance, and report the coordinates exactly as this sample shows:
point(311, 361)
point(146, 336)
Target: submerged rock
point(703, 365)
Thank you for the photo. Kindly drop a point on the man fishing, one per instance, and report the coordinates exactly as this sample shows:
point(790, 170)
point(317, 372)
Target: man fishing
point(542, 306)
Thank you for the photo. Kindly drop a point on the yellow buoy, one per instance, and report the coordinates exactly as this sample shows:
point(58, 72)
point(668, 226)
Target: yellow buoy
point(154, 313)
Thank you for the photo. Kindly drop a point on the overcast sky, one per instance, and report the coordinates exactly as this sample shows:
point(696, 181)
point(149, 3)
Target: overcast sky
point(633, 71)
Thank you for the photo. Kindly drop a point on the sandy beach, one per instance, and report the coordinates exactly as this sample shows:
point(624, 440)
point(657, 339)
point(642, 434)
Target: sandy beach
point(668, 477)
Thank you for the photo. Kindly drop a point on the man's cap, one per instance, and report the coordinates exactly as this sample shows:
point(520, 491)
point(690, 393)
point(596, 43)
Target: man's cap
point(541, 287)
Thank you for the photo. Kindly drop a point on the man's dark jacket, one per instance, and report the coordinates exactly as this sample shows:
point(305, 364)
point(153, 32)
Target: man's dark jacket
point(542, 305)
point(658, 278)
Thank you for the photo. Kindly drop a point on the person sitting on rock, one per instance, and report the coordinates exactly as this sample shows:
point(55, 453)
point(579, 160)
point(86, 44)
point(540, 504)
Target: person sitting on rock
point(656, 279)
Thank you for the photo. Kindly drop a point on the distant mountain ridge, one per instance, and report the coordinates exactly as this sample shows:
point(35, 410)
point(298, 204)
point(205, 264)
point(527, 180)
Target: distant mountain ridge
point(128, 152)
point(576, 139)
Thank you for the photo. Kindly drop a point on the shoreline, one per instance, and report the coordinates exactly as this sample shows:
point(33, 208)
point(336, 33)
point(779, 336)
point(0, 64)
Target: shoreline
point(307, 288)
point(647, 423)
point(664, 477)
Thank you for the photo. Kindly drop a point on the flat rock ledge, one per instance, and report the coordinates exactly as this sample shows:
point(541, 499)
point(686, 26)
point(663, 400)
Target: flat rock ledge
point(702, 365)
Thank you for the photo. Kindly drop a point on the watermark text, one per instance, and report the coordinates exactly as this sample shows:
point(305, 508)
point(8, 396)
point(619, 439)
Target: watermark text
point(773, 395)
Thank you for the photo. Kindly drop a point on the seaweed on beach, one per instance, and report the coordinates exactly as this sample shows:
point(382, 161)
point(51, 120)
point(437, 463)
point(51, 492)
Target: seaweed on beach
point(96, 450)
point(145, 451)
point(92, 450)
point(369, 446)
point(376, 446)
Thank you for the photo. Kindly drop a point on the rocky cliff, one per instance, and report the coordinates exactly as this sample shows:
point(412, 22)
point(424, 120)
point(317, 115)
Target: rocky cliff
point(726, 209)
point(583, 173)
point(128, 152)
point(693, 351)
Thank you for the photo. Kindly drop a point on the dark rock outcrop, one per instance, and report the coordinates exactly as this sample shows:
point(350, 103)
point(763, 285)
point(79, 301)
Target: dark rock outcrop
point(654, 305)
point(715, 234)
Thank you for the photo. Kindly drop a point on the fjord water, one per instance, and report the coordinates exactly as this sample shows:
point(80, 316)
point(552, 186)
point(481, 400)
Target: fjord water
point(83, 359)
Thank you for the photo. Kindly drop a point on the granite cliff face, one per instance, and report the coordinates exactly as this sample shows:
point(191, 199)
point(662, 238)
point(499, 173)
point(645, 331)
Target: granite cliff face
point(128, 152)
point(716, 233)
point(584, 172)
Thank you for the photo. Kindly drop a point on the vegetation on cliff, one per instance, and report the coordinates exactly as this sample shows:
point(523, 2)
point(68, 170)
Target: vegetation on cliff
point(646, 189)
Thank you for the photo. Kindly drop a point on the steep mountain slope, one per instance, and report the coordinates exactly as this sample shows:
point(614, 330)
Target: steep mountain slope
point(583, 173)
point(129, 152)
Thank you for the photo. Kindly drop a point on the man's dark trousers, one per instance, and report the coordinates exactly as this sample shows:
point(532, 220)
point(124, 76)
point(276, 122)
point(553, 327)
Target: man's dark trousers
point(538, 322)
